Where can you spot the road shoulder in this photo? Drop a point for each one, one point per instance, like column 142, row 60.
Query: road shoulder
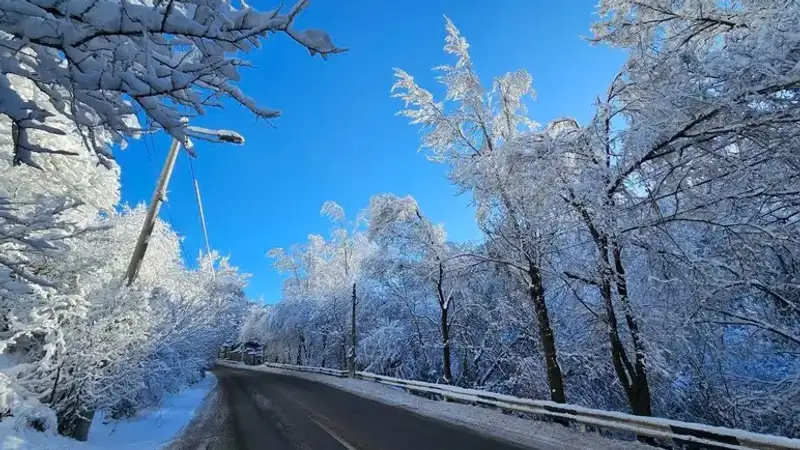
column 206, row 430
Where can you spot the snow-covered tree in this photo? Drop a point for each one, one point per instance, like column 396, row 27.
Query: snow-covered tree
column 255, row 325
column 413, row 252
column 709, row 158
column 88, row 343
column 467, row 136
column 327, row 273
column 73, row 338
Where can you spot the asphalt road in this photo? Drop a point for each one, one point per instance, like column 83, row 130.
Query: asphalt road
column 256, row 410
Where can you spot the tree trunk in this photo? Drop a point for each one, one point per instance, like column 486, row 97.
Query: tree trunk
column 465, row 377
column 536, row 292
column 82, row 424
column 446, row 365
column 640, row 387
column 55, row 383
column 632, row 377
column 352, row 357
column 444, row 307
column 343, row 349
column 554, row 376
column 300, row 343
column 619, row 356
column 75, row 419
column 324, row 348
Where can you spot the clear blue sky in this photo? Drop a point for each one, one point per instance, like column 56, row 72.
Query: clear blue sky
column 339, row 138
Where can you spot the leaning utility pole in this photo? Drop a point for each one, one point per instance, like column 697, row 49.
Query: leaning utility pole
column 159, row 195
column 152, row 212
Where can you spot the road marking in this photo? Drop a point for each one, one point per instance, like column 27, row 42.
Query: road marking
column 344, row 443
column 311, row 415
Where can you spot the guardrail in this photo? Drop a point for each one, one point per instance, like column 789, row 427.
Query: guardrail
column 682, row 434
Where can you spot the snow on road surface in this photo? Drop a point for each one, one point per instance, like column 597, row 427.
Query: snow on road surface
column 487, row 421
column 149, row 430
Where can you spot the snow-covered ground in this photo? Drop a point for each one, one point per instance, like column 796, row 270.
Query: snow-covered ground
column 487, row 421
column 150, row 430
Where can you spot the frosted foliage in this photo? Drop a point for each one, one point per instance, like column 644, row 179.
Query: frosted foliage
column 255, row 325
column 333, row 211
column 385, row 210
column 479, row 120
column 392, row 217
column 645, row 260
column 102, row 64
column 26, row 408
column 73, row 172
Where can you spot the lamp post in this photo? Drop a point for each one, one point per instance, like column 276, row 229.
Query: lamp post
column 159, row 195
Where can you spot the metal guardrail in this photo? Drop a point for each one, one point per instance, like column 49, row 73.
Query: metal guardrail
column 682, row 434
column 322, row 370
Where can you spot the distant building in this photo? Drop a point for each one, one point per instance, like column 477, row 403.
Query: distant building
column 250, row 353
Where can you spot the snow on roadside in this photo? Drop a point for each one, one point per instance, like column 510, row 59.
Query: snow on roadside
column 155, row 428
column 149, row 430
column 487, row 421
column 28, row 439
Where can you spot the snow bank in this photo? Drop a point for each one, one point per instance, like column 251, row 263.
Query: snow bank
column 150, row 430
column 24, row 405
column 12, row 438
column 154, row 428
column 487, row 421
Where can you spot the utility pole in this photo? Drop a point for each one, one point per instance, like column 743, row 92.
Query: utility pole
column 159, row 195
column 152, row 212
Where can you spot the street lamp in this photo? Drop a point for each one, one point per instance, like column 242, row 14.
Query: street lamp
column 214, row 136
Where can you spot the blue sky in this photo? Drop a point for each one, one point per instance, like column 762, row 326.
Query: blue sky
column 339, row 138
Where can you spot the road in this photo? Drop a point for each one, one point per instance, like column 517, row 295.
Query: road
column 264, row 411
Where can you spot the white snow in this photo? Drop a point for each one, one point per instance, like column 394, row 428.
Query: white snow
column 487, row 421
column 27, row 439
column 151, row 429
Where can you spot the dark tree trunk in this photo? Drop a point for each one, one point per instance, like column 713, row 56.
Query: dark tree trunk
column 352, row 357
column 640, row 387
column 300, row 343
column 55, row 384
column 343, row 349
column 83, row 422
column 446, row 369
column 444, row 306
column 632, row 377
column 324, row 348
column 75, row 418
column 554, row 377
column 465, row 377
column 536, row 292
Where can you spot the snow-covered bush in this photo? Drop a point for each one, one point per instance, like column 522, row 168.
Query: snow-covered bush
column 23, row 407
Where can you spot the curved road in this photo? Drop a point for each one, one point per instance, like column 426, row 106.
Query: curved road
column 256, row 410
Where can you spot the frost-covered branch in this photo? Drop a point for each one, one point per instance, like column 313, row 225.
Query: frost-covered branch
column 103, row 64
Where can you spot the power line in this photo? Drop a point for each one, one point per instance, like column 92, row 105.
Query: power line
column 199, row 205
column 200, row 209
